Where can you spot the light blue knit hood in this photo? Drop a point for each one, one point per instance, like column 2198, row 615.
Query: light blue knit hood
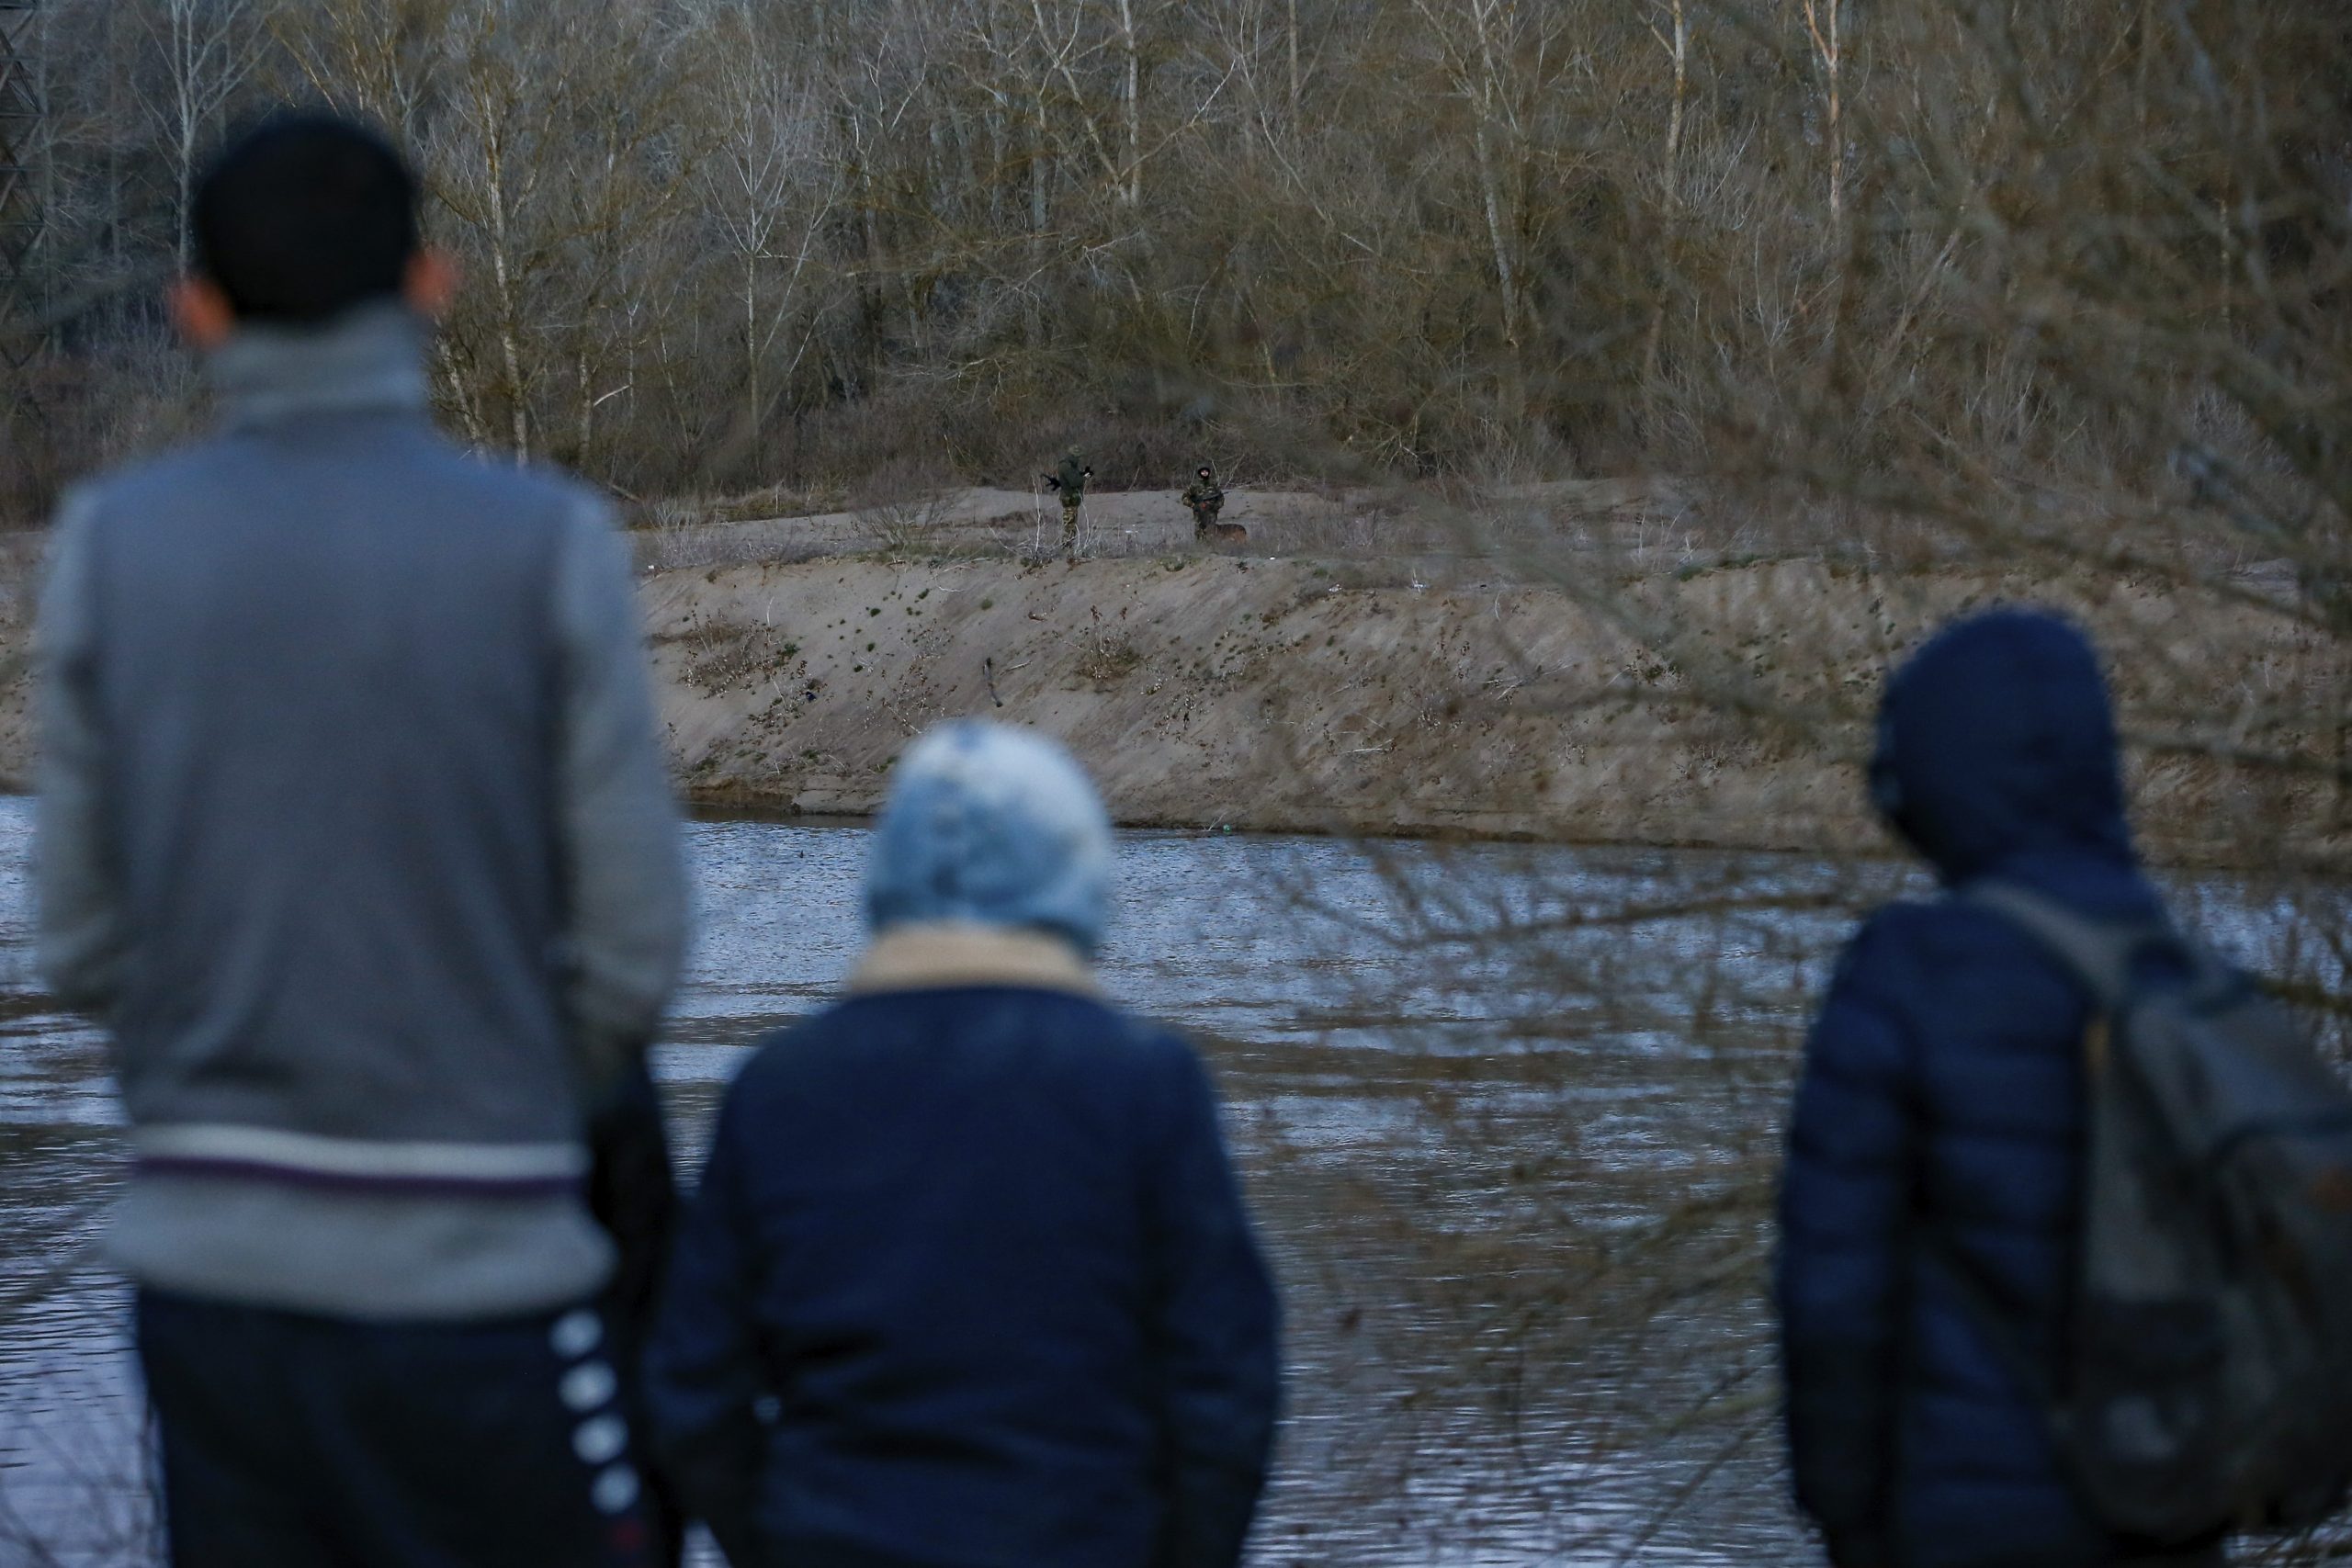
column 989, row 825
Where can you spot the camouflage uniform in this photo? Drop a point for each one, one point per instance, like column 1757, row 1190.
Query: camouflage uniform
column 1070, row 480
column 1207, row 500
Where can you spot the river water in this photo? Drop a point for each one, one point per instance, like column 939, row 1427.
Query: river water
column 1506, row 1115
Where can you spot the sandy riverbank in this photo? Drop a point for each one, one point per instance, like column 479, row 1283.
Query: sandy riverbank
column 1293, row 694
column 1353, row 689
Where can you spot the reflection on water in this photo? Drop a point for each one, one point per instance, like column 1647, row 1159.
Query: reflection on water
column 1506, row 1115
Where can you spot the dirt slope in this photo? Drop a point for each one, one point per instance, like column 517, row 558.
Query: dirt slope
column 1327, row 694
column 1201, row 689
column 1276, row 694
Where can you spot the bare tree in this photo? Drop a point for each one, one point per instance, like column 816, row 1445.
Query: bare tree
column 1824, row 23
column 1497, row 56
column 772, row 191
column 208, row 49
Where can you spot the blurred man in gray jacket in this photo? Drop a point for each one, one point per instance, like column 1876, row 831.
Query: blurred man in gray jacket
column 355, row 832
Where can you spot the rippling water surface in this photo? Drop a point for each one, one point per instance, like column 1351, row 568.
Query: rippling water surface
column 1504, row 1152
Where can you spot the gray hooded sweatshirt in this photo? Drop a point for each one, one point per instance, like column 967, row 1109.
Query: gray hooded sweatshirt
column 355, row 830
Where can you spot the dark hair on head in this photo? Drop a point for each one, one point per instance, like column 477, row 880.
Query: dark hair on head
column 303, row 215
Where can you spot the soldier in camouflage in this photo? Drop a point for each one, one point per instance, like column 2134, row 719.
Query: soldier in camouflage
column 1069, row 482
column 1207, row 500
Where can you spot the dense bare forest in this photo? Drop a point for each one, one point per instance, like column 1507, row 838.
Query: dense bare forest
column 725, row 243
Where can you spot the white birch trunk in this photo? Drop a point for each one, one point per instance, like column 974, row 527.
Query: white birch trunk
column 1291, row 41
column 1133, row 186
column 501, row 273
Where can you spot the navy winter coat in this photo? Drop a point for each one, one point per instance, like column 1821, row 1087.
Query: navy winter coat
column 967, row 1281
column 1941, row 1107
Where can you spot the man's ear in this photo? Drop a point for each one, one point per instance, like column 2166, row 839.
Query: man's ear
column 431, row 284
column 201, row 311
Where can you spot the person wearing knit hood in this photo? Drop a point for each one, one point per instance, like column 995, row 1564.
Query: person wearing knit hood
column 968, row 1278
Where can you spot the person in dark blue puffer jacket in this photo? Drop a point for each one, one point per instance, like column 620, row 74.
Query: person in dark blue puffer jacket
column 968, row 1282
column 1941, row 1119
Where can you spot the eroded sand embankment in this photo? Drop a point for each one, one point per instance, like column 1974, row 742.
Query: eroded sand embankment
column 1289, row 695
column 1345, row 695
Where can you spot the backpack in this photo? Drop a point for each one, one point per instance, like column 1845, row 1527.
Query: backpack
column 2209, row 1375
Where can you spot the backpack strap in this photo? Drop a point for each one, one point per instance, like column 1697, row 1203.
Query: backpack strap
column 2097, row 953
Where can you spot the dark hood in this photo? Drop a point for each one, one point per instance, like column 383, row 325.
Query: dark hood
column 1995, row 742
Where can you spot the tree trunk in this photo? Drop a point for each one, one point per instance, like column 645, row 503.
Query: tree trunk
column 510, row 344
column 454, row 389
column 1836, row 119
column 1292, row 42
column 184, row 127
column 585, row 434
column 754, row 415
column 1491, row 198
column 1040, row 172
column 1681, row 94
column 1491, row 88
column 1133, row 191
column 1827, row 44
